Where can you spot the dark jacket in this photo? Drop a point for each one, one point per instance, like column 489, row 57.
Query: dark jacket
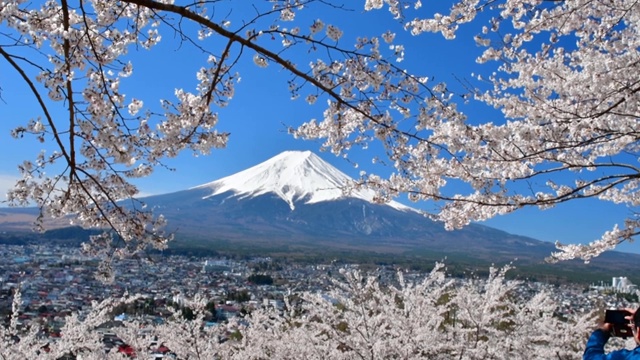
column 595, row 349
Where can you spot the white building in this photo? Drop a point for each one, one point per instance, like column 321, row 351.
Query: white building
column 622, row 284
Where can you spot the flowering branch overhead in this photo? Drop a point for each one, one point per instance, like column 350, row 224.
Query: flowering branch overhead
column 566, row 83
column 567, row 86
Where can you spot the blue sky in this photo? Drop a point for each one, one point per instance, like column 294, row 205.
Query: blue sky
column 261, row 109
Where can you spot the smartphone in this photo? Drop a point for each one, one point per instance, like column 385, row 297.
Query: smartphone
column 620, row 327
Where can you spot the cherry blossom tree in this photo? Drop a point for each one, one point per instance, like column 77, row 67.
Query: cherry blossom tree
column 564, row 76
column 436, row 318
column 359, row 317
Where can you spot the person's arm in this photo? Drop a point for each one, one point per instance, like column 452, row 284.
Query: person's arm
column 598, row 339
column 595, row 345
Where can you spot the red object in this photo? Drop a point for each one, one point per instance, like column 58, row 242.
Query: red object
column 127, row 350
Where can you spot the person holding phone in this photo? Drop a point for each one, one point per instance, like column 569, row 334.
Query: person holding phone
column 616, row 323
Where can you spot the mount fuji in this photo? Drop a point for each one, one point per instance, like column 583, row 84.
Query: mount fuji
column 293, row 176
column 295, row 201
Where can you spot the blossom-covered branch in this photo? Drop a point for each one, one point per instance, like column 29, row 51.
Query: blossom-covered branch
column 565, row 79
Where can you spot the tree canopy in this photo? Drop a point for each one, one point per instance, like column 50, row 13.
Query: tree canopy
column 566, row 83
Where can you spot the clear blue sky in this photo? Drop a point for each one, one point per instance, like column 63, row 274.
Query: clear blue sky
column 257, row 115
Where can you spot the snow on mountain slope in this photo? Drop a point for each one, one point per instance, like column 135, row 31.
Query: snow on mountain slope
column 293, row 176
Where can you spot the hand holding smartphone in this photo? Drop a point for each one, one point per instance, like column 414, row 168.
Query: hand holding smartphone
column 620, row 324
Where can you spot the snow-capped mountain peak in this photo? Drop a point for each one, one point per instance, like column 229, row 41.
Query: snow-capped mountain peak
column 293, row 176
